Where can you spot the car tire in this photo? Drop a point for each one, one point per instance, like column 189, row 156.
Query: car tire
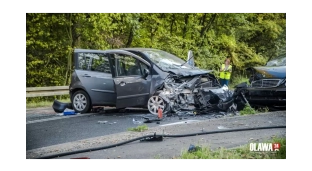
column 150, row 106
column 81, row 102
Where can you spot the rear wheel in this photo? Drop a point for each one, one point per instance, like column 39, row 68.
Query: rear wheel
column 81, row 102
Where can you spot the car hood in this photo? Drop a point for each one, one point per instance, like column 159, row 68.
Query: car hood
column 188, row 72
column 271, row 72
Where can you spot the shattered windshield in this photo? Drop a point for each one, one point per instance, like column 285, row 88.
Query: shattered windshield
column 277, row 62
column 165, row 60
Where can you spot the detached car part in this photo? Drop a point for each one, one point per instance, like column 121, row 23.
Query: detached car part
column 59, row 107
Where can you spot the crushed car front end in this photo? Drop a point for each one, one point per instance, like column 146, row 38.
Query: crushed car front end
column 191, row 90
column 267, row 88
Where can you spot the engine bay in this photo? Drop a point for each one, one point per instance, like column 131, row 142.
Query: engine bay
column 200, row 94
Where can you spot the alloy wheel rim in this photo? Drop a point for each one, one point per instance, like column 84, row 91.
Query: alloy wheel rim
column 80, row 102
column 154, row 103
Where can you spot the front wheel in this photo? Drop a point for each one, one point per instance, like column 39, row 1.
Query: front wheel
column 155, row 102
column 81, row 102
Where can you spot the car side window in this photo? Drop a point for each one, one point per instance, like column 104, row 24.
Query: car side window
column 143, row 66
column 126, row 65
column 100, row 63
column 84, row 61
column 94, row 62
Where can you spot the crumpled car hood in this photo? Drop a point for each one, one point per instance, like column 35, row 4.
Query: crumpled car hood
column 271, row 72
column 188, row 72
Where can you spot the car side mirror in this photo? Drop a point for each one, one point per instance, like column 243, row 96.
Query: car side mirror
column 145, row 73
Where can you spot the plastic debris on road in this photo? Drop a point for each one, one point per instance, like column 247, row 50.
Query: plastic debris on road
column 69, row 112
column 137, row 122
column 193, row 148
column 222, row 127
column 102, row 122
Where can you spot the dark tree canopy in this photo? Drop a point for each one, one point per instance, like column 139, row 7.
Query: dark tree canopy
column 248, row 39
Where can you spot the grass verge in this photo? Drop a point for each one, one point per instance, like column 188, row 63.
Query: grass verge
column 248, row 110
column 46, row 103
column 139, row 128
column 237, row 153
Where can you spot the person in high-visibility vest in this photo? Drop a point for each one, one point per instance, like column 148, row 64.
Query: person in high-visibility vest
column 225, row 72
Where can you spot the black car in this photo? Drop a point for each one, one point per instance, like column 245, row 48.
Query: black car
column 142, row 77
column 267, row 86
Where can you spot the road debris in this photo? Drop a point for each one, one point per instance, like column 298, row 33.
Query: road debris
column 151, row 119
column 69, row 112
column 222, row 127
column 137, row 122
column 102, row 122
column 193, row 148
column 153, row 138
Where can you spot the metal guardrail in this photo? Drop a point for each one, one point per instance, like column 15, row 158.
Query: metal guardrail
column 46, row 91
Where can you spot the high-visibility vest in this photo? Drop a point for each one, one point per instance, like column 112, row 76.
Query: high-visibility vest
column 224, row 74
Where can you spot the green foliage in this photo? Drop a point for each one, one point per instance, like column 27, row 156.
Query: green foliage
column 44, row 103
column 32, row 101
column 249, row 39
column 237, row 153
column 235, row 80
column 139, row 128
column 263, row 110
column 248, row 110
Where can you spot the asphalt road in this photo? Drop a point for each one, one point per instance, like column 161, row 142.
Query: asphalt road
column 172, row 147
column 48, row 129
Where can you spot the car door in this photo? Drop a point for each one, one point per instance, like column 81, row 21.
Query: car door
column 131, row 87
column 95, row 75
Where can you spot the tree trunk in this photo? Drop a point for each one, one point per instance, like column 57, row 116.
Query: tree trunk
column 186, row 17
column 69, row 57
column 130, row 38
column 206, row 28
column 172, row 23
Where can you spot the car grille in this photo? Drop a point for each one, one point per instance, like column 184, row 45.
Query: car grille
column 266, row 83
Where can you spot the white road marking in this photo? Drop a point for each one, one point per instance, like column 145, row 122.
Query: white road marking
column 182, row 122
column 57, row 118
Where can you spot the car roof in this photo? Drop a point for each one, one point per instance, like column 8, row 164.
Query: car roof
column 139, row 49
column 88, row 50
column 127, row 49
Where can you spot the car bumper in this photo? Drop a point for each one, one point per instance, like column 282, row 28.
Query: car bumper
column 273, row 96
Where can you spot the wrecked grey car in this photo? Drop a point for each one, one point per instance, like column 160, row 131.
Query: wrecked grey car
column 267, row 86
column 141, row 77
